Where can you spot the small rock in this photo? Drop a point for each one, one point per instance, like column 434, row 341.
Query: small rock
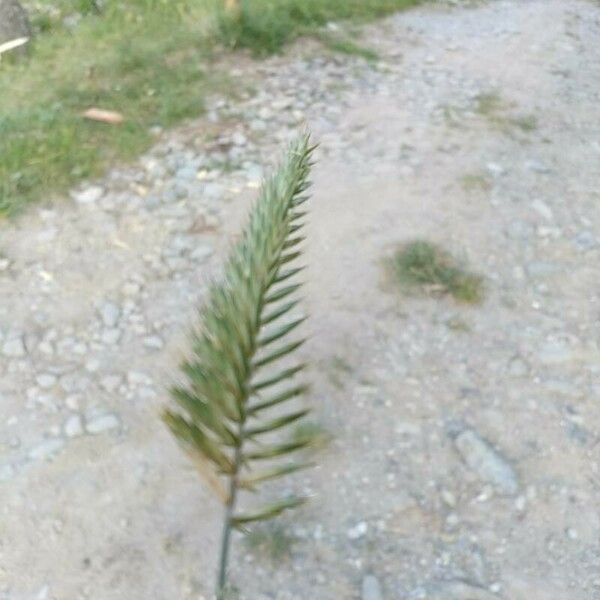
column 358, row 531
column 239, row 139
column 543, row 209
column 495, row 169
column 555, row 353
column 537, row 167
column 131, row 288
column 572, row 533
column 89, row 195
column 154, row 342
column 46, row 347
column 46, row 449
column 519, row 230
column 73, row 426
column 14, row 346
column 448, row 498
column 517, row 367
column 4, row 263
column 110, row 383
column 72, row 401
column 585, row 240
column 92, row 365
column 102, row 423
column 486, row 462
column 73, row 382
column 371, row 589
column 137, row 378
column 458, row 590
column 6, row 472
column 201, row 253
column 46, row 380
column 540, row 268
column 43, row 593
column 111, row 336
column 110, row 313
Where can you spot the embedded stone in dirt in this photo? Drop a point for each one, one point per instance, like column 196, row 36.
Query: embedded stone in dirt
column 488, row 464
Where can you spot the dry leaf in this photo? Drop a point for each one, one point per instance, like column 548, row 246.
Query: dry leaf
column 105, row 116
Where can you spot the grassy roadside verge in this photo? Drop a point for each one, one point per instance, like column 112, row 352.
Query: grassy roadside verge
column 149, row 60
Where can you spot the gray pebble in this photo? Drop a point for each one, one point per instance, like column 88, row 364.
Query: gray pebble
column 154, row 342
column 555, row 353
column 371, row 589
column 73, row 426
column 110, row 313
column 201, row 253
column 110, row 383
column 539, row 268
column 46, row 380
column 46, row 449
column 88, row 195
column 111, row 336
column 517, row 367
column 102, row 423
column 14, row 346
column 6, row 472
column 486, row 462
column 458, row 590
column 358, row 531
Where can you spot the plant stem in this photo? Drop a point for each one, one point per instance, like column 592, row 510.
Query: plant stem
column 226, row 536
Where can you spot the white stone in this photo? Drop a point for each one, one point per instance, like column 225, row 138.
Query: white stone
column 6, row 472
column 153, row 342
column 358, row 531
column 201, row 253
column 110, row 383
column 73, row 426
column 102, row 423
column 46, row 380
column 46, row 449
column 92, row 365
column 110, row 313
column 371, row 589
column 137, row 378
column 111, row 336
column 88, row 195
column 14, row 346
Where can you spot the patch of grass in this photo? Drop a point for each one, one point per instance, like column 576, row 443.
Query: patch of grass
column 146, row 64
column 318, row 435
column 264, row 26
column 475, row 182
column 489, row 104
column 146, row 59
column 423, row 266
column 338, row 371
column 525, row 123
column 451, row 116
column 271, row 541
column 458, row 324
column 492, row 107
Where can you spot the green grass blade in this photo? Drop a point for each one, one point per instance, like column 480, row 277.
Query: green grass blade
column 269, row 511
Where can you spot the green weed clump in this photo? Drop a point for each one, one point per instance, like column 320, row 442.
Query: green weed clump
column 423, row 266
column 264, row 26
column 271, row 541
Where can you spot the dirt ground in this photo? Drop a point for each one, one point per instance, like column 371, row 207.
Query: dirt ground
column 465, row 461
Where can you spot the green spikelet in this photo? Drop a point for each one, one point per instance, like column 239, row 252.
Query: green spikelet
column 241, row 367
